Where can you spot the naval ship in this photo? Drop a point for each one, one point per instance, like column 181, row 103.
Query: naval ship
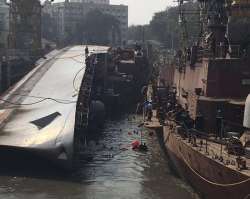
column 56, row 110
column 121, row 73
column 50, row 111
column 207, row 106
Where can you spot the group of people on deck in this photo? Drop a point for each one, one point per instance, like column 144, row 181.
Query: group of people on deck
column 168, row 108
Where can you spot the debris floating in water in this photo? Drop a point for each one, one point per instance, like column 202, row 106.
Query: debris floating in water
column 143, row 147
column 151, row 133
column 135, row 144
column 123, row 149
column 140, row 125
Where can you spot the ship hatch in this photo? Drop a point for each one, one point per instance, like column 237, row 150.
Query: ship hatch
column 45, row 121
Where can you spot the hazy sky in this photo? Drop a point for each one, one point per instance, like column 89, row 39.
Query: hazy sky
column 141, row 11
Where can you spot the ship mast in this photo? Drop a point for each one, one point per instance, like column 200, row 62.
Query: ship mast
column 213, row 21
column 214, row 15
column 213, row 40
column 183, row 24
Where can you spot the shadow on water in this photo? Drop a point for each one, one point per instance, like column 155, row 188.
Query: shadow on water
column 22, row 163
column 113, row 171
column 16, row 162
column 160, row 138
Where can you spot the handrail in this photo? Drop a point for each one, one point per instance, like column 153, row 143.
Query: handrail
column 199, row 175
column 233, row 123
column 211, row 182
column 197, row 132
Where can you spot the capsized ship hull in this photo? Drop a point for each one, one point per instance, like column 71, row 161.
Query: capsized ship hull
column 38, row 114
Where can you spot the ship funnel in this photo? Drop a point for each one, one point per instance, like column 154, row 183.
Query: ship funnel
column 246, row 121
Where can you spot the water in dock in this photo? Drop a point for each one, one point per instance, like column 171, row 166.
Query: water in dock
column 113, row 171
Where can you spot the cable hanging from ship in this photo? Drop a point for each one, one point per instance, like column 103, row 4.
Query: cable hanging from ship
column 74, row 80
column 42, row 99
column 37, row 102
column 214, row 183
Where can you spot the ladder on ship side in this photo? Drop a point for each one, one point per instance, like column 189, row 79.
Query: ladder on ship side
column 82, row 111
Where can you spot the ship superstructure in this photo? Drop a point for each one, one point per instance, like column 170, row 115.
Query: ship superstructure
column 212, row 72
column 205, row 104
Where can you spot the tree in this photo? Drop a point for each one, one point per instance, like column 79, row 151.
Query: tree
column 165, row 28
column 99, row 28
column 165, row 25
column 48, row 27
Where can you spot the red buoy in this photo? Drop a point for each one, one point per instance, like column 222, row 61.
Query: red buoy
column 135, row 144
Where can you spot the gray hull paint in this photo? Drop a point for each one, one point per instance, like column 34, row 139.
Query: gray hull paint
column 54, row 137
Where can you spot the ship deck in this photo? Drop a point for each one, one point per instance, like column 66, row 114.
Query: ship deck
column 210, row 148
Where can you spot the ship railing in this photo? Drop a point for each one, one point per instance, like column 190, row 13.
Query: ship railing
column 189, row 132
column 215, row 151
column 235, row 51
column 220, row 51
column 193, row 132
column 229, row 126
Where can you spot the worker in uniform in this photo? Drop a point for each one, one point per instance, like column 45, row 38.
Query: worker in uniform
column 149, row 110
column 199, row 122
column 161, row 115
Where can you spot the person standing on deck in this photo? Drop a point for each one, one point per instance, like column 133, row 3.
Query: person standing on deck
column 149, row 111
column 219, row 120
column 86, row 51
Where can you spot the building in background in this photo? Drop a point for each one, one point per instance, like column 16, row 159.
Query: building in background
column 69, row 14
column 92, row 1
column 25, row 28
column 120, row 12
column 20, row 39
column 48, row 27
column 4, row 24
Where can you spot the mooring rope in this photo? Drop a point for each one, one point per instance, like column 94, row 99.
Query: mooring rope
column 210, row 182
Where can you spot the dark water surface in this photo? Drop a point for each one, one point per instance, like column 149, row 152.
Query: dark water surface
column 114, row 171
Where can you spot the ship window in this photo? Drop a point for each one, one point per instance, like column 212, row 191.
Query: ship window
column 45, row 121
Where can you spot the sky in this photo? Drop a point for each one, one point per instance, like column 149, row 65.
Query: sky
column 141, row 11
